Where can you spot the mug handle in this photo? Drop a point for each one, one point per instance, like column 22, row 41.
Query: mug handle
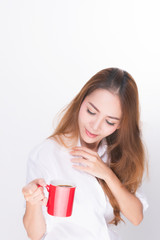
column 48, row 188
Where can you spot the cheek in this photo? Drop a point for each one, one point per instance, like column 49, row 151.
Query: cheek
column 82, row 116
column 110, row 130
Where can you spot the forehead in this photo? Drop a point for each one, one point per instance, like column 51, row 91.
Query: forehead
column 107, row 103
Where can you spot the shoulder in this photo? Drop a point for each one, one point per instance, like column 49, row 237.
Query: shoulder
column 41, row 159
column 45, row 149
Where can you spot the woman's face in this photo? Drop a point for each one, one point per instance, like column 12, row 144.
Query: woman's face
column 99, row 116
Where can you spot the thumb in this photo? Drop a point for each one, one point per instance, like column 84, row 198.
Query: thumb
column 40, row 181
column 44, row 202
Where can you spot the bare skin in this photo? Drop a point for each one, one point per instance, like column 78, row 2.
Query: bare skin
column 130, row 205
column 33, row 219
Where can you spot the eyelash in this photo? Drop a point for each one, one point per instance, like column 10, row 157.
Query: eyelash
column 112, row 124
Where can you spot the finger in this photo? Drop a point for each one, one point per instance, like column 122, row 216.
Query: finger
column 81, row 153
column 37, row 192
column 32, row 186
column 44, row 201
column 35, row 199
column 40, row 181
column 29, row 189
column 39, row 197
column 85, row 169
column 81, row 168
column 81, row 160
column 85, row 155
column 86, row 150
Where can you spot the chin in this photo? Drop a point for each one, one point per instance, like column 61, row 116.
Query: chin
column 87, row 139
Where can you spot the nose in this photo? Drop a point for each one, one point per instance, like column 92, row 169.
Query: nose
column 96, row 124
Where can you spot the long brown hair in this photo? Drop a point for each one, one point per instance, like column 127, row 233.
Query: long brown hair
column 125, row 148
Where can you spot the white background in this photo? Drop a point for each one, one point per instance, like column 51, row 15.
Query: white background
column 48, row 50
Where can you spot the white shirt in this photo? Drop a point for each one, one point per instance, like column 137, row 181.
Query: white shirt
column 91, row 210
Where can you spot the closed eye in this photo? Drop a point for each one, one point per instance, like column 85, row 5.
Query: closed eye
column 112, row 124
column 90, row 112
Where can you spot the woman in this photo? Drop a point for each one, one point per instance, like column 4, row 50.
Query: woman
column 97, row 144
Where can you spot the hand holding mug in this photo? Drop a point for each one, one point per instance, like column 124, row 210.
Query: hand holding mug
column 33, row 193
column 60, row 200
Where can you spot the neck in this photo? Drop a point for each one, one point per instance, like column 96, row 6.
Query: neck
column 92, row 146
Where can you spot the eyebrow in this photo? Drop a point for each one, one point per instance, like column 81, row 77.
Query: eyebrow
column 99, row 111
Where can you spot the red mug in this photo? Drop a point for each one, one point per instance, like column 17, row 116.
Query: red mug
column 60, row 199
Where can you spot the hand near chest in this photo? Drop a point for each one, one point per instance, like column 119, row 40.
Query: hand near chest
column 89, row 161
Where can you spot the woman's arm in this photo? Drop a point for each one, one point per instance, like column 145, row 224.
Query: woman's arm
column 130, row 206
column 34, row 222
column 33, row 219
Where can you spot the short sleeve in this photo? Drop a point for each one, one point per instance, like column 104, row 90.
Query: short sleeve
column 141, row 196
column 37, row 167
column 34, row 168
column 38, row 162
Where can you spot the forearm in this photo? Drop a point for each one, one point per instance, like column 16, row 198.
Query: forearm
column 130, row 206
column 34, row 221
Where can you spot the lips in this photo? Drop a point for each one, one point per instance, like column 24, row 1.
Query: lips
column 90, row 134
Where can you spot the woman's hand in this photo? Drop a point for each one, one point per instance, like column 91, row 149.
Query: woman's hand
column 33, row 193
column 33, row 219
column 91, row 162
